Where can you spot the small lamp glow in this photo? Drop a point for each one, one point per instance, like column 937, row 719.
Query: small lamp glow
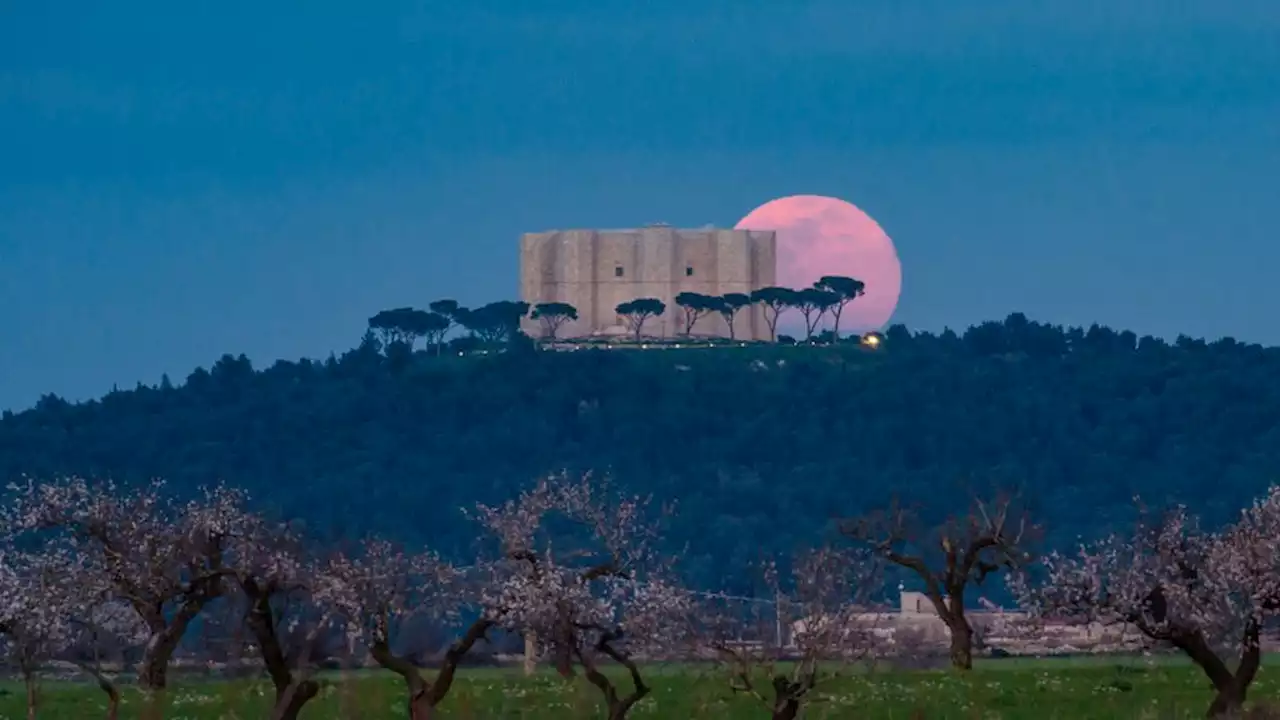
column 871, row 340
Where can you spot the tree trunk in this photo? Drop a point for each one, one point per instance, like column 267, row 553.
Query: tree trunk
column 154, row 671
column 618, row 707
column 420, row 705
column 563, row 663
column 835, row 329
column 786, row 704
column 289, row 700
column 1232, row 688
column 106, row 684
column 530, row 653
column 291, row 692
column 1228, row 703
column 961, row 644
column 811, row 325
column 29, row 679
column 113, row 695
column 153, row 674
column 113, row 704
column 425, row 696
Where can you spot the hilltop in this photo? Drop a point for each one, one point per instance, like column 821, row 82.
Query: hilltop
column 761, row 446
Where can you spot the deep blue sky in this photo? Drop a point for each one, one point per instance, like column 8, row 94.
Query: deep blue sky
column 184, row 179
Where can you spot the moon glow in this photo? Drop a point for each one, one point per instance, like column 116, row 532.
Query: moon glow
column 820, row 235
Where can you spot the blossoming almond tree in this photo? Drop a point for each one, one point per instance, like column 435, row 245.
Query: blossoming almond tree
column 31, row 622
column 991, row 537
column 291, row 600
column 163, row 557
column 52, row 610
column 1207, row 594
column 104, row 630
column 100, row 628
column 378, row 589
column 579, row 569
column 824, row 599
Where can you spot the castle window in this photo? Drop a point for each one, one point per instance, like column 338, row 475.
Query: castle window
column 617, row 272
column 688, row 272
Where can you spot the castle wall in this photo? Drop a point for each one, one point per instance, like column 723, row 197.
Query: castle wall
column 596, row 270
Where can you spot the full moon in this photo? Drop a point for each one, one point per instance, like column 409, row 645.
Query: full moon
column 819, row 236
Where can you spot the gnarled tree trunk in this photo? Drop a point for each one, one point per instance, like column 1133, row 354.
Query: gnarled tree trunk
column 153, row 672
column 292, row 693
column 950, row 610
column 961, row 643
column 618, row 706
column 1232, row 688
column 291, row 698
column 425, row 696
column 107, row 686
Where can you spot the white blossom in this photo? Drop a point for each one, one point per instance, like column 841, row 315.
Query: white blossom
column 1207, row 594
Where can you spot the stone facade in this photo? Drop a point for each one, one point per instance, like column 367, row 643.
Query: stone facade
column 596, row 270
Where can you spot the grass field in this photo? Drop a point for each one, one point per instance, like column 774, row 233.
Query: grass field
column 1007, row 689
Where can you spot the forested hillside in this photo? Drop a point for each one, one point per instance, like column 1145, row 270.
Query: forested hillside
column 761, row 446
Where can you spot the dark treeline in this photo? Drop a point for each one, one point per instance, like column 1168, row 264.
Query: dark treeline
column 762, row 446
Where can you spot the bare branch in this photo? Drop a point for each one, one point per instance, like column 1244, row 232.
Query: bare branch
column 970, row 549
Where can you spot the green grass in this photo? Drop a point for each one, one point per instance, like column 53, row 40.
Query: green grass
column 1010, row 690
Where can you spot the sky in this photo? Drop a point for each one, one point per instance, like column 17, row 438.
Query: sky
column 183, row 180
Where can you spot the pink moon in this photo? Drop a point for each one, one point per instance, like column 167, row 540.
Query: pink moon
column 820, row 235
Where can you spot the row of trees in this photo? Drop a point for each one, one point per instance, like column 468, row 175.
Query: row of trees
column 828, row 296
column 1168, row 583
column 92, row 572
column 500, row 321
column 117, row 573
column 492, row 323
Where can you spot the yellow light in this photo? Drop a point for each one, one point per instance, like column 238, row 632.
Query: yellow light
column 871, row 340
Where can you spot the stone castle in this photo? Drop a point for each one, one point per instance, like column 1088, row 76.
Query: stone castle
column 596, row 270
